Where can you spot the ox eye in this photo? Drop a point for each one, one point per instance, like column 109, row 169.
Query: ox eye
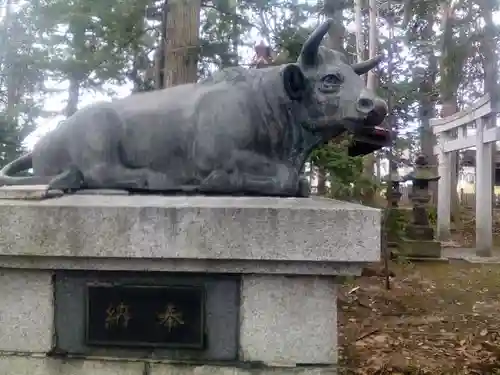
column 332, row 80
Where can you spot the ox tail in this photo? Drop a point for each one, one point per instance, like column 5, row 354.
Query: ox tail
column 22, row 163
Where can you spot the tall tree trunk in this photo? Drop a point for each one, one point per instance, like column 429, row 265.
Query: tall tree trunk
column 142, row 73
column 235, row 35
column 9, row 144
column 427, row 102
column 183, row 22
column 488, row 48
column 75, row 75
column 73, row 96
column 371, row 83
column 160, row 55
column 360, row 38
column 13, row 81
column 333, row 9
column 451, row 64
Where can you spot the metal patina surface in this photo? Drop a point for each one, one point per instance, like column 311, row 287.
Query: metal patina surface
column 241, row 131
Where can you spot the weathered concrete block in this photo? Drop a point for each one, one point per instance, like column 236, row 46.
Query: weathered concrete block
column 26, row 311
column 182, row 265
column 220, row 228
column 17, row 365
column 288, row 320
column 169, row 369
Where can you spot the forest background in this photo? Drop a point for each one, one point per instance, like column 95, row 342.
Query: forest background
column 59, row 55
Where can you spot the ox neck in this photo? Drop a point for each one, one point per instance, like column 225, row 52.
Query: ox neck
column 298, row 138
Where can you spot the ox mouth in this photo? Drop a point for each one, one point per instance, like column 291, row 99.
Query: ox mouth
column 356, row 125
column 370, row 140
column 350, row 124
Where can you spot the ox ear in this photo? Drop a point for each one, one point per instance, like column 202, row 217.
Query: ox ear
column 294, row 81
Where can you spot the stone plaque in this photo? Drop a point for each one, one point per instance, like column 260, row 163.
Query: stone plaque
column 145, row 316
column 221, row 309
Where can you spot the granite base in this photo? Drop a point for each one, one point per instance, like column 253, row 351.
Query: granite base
column 29, row 365
column 283, row 256
column 285, row 320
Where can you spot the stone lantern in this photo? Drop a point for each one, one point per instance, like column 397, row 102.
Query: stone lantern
column 419, row 233
column 393, row 217
column 393, row 195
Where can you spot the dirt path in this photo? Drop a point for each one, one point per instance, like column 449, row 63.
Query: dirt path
column 437, row 319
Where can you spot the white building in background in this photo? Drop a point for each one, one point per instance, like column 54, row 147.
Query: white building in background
column 467, row 174
column 467, row 180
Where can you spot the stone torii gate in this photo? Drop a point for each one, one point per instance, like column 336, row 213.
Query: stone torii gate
column 451, row 133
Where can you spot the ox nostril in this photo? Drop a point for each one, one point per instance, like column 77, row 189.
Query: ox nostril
column 378, row 114
column 365, row 105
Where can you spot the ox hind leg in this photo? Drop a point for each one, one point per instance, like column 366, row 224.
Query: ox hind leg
column 97, row 149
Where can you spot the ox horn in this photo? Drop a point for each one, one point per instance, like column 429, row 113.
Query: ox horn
column 309, row 52
column 365, row 66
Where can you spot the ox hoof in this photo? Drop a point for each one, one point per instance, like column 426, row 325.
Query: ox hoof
column 304, row 189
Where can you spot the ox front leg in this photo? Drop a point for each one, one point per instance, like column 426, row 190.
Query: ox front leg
column 247, row 173
column 221, row 182
column 284, row 183
column 270, row 177
column 271, row 185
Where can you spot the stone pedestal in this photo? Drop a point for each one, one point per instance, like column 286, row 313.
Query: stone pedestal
column 269, row 269
column 421, row 248
column 420, row 243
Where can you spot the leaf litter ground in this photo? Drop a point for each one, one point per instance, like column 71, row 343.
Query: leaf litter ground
column 438, row 318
